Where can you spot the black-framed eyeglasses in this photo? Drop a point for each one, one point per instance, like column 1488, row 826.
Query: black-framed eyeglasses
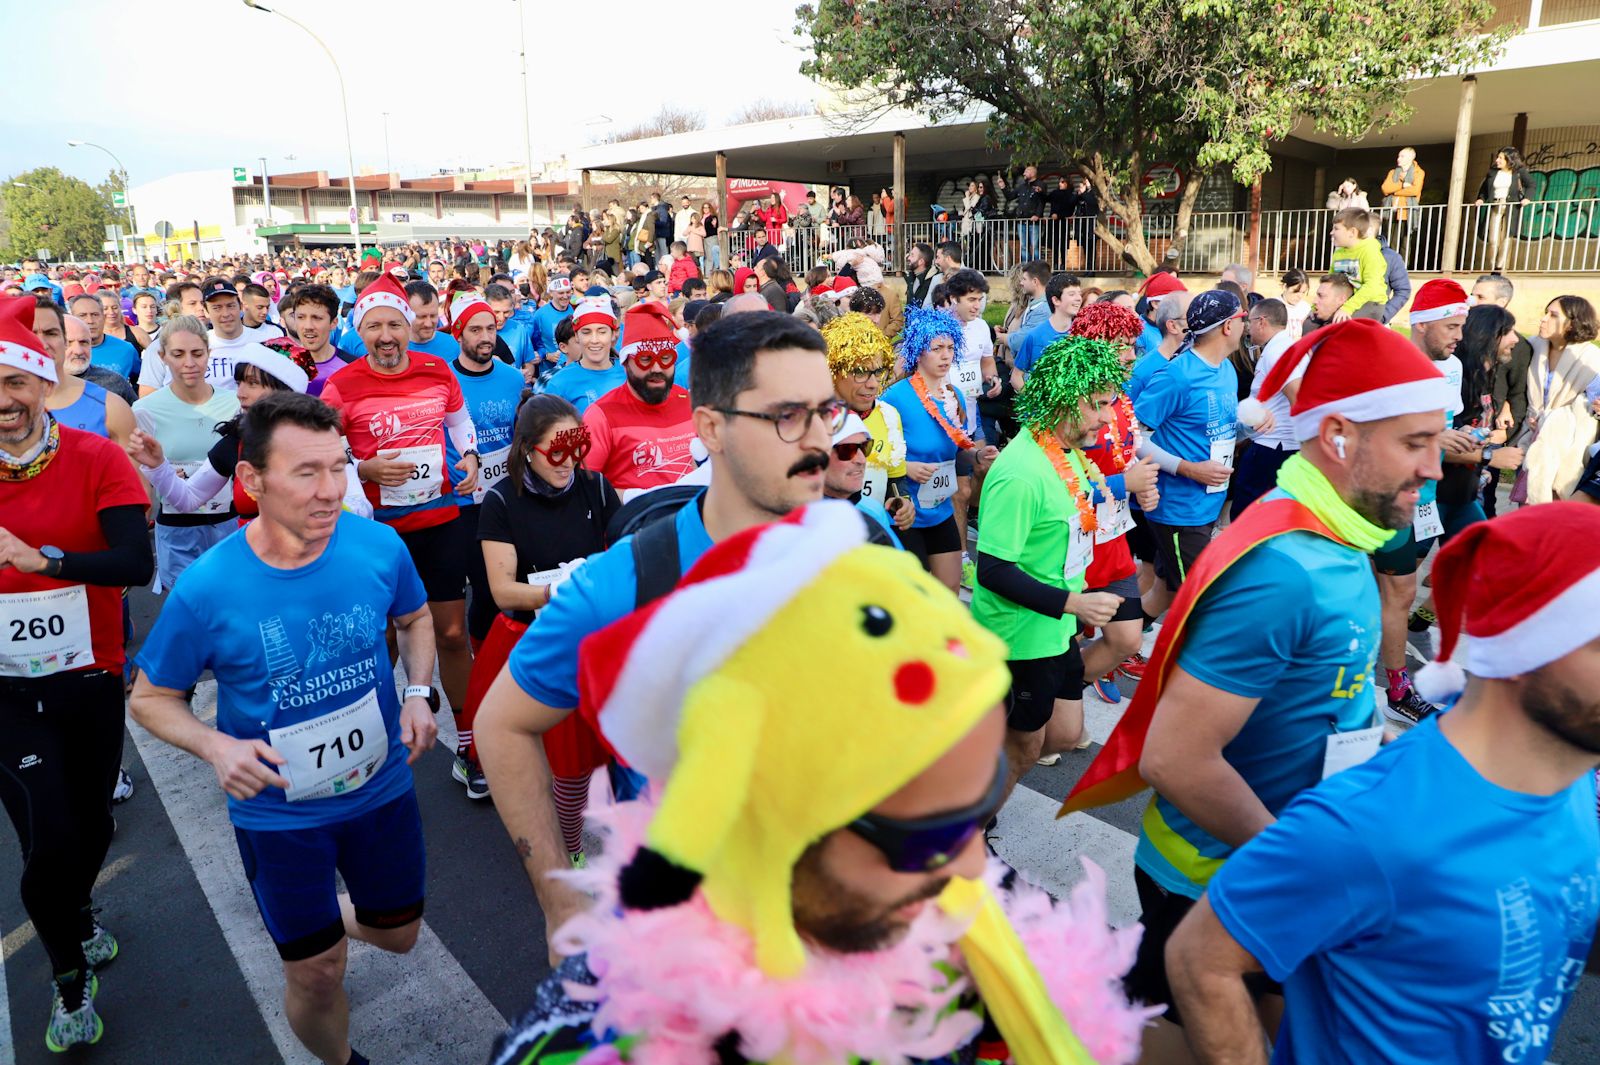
column 924, row 844
column 861, row 377
column 793, row 420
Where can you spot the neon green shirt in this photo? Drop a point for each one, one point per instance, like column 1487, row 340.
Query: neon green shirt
column 1364, row 265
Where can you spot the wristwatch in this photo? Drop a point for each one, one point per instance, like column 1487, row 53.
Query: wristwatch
column 417, row 691
column 52, row 560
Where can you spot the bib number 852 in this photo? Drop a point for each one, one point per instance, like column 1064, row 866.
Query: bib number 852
column 37, row 628
column 341, row 746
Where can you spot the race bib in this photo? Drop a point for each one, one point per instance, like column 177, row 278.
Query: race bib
column 1113, row 519
column 876, row 484
column 968, row 377
column 491, row 471
column 1346, row 749
column 936, row 489
column 1221, row 451
column 333, row 754
column 1428, row 524
column 220, row 503
column 1080, row 550
column 44, row 632
column 427, row 477
column 554, row 578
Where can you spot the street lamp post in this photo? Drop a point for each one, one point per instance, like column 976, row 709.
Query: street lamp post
column 349, row 149
column 527, row 135
column 127, row 192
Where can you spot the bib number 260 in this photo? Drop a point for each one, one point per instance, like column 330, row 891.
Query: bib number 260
column 23, row 629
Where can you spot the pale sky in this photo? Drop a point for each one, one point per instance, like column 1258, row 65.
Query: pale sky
column 186, row 84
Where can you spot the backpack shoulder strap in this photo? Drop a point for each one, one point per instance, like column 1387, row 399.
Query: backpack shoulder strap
column 656, row 564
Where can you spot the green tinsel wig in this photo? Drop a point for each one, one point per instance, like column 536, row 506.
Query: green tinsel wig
column 1070, row 369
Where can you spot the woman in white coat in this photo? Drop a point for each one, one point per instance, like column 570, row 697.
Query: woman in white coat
column 1560, row 425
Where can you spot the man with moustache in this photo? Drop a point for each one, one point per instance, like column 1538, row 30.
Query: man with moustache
column 765, row 410
column 642, row 428
column 1260, row 684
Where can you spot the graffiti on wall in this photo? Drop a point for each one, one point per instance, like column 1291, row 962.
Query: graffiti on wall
column 1552, row 212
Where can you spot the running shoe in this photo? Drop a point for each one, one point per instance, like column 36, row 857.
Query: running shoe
column 124, row 789
column 1050, row 759
column 1084, row 743
column 579, row 860
column 1106, row 688
column 70, row 1028
column 969, row 573
column 1422, row 619
column 1409, row 709
column 100, row 949
column 466, row 771
column 1133, row 666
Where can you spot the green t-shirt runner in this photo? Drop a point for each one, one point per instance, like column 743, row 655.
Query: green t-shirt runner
column 1029, row 518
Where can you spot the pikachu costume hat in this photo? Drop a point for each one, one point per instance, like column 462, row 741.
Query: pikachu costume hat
column 796, row 678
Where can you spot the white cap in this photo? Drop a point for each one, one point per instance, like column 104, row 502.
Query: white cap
column 853, row 426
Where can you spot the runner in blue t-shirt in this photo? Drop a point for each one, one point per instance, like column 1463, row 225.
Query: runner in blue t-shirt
column 545, row 318
column 493, row 391
column 1437, row 903
column 756, row 474
column 588, row 335
column 1064, row 296
column 312, row 742
column 1191, row 409
column 1270, row 686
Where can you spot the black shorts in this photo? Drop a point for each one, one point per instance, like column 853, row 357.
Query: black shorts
column 966, row 461
column 930, row 540
column 441, row 554
column 1177, row 546
column 1036, row 684
column 1164, row 910
column 1131, row 608
column 1140, row 542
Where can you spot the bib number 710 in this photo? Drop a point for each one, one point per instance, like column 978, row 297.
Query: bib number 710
column 342, row 746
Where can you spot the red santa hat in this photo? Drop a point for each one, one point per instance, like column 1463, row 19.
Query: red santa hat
column 729, row 595
column 466, row 304
column 1360, row 369
column 650, row 330
column 1513, row 595
column 1439, row 298
column 19, row 347
column 593, row 310
column 385, row 291
column 1157, row 285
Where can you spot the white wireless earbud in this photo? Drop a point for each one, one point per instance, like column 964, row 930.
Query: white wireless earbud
column 1338, row 445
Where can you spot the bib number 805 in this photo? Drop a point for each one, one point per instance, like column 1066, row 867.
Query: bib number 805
column 341, row 746
column 37, row 628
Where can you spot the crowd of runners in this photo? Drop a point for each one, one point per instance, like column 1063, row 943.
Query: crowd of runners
column 808, row 572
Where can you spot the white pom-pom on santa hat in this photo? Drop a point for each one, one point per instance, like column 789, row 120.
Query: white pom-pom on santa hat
column 1252, row 412
column 1512, row 597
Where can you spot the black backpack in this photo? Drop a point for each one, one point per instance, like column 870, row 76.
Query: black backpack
column 649, row 519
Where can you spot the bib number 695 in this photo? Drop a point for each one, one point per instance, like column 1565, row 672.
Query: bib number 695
column 341, row 746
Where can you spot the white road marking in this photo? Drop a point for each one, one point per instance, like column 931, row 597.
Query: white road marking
column 421, row 1007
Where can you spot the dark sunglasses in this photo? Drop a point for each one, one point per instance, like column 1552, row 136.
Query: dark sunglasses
column 925, row 844
column 847, row 451
column 649, row 360
column 568, row 443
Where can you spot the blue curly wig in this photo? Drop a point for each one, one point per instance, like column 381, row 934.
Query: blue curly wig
column 920, row 329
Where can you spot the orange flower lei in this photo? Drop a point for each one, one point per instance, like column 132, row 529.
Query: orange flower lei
column 935, row 411
column 1121, row 415
column 1058, row 458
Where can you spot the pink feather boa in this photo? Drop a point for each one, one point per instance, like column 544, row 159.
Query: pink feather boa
column 684, row 979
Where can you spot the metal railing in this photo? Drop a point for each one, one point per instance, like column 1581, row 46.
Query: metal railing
column 1546, row 236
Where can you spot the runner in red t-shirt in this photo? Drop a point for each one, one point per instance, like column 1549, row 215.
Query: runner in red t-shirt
column 398, row 406
column 1115, row 453
column 72, row 536
column 642, row 429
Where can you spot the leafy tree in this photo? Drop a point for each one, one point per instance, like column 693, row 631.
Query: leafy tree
column 1112, row 86
column 45, row 208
